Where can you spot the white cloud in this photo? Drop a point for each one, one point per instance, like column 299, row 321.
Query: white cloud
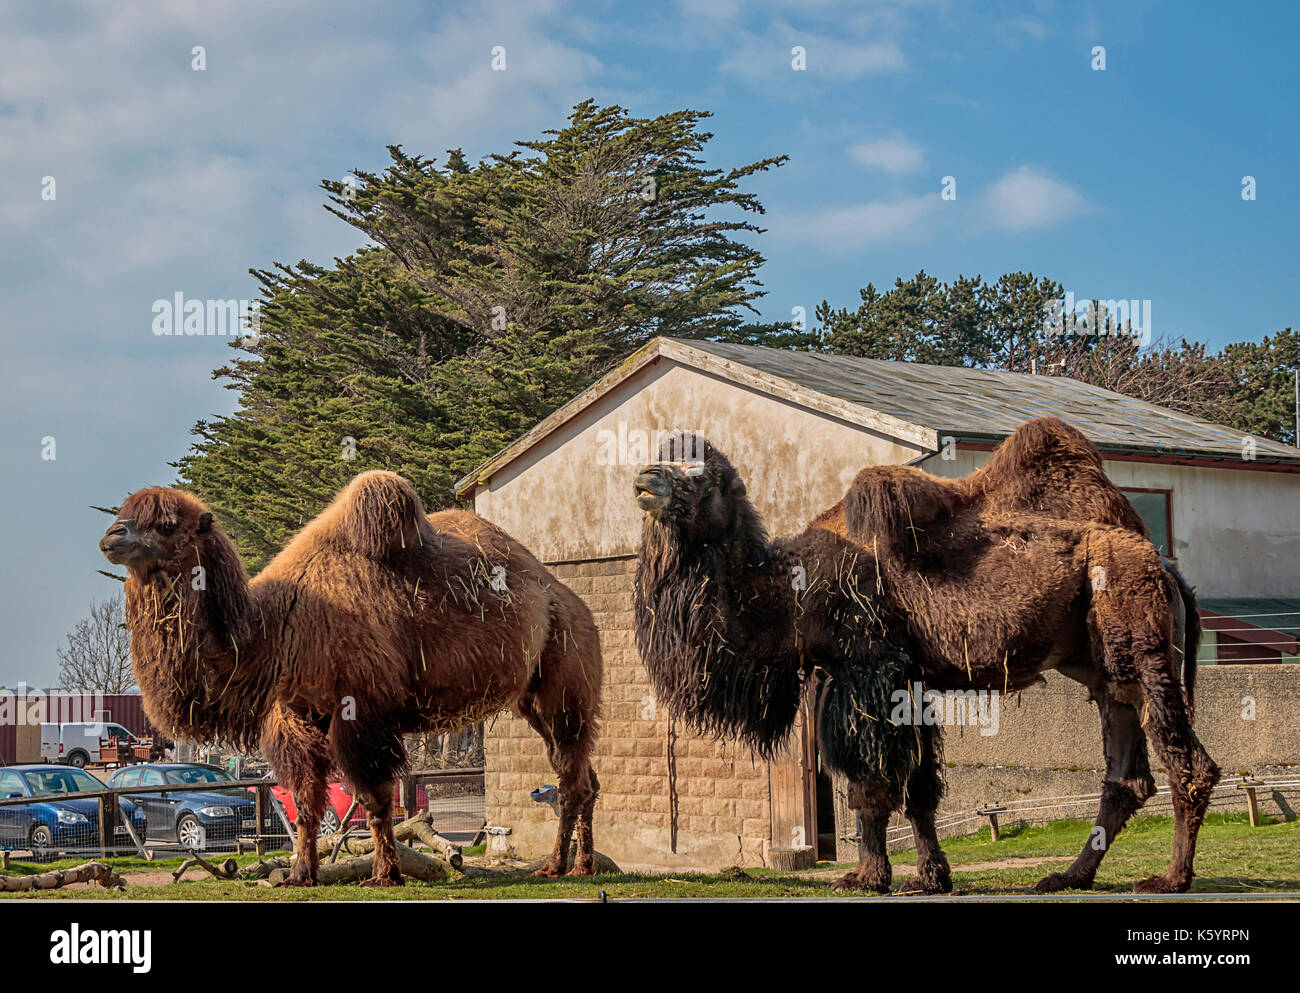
column 174, row 180
column 767, row 56
column 1026, row 198
column 890, row 154
column 859, row 225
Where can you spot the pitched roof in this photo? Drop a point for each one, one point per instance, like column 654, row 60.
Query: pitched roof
column 923, row 403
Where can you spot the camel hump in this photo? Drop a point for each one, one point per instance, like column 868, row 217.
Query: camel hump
column 379, row 512
column 888, row 504
column 1047, row 466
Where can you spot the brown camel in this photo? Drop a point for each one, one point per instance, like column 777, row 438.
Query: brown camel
column 373, row 622
column 1034, row 562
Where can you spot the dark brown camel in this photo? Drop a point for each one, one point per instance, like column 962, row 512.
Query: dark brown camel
column 375, row 621
column 1034, row 562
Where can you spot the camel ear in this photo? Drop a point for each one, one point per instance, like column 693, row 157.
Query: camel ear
column 205, row 522
column 738, row 487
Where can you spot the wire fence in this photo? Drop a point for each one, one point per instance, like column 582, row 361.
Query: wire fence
column 1272, row 631
column 47, row 813
column 1284, row 790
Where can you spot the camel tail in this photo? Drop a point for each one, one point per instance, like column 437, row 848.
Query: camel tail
column 1191, row 637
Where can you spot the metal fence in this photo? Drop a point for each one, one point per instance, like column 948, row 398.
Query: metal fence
column 235, row 816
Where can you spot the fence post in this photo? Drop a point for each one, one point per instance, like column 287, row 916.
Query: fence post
column 408, row 796
column 107, row 822
column 260, row 806
column 1252, row 801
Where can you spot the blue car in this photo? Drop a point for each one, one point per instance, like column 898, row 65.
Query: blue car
column 50, row 825
column 197, row 820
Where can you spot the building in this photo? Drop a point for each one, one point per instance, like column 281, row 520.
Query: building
column 799, row 427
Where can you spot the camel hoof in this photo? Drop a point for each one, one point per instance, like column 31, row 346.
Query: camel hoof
column 548, row 871
column 1161, row 884
column 384, row 881
column 853, row 882
column 1058, row 881
column 935, row 883
column 296, row 882
column 582, row 870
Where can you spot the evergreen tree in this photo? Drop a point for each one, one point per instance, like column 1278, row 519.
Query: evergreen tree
column 494, row 293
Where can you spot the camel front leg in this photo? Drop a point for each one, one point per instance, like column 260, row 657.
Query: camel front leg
column 310, row 801
column 924, row 791
column 872, row 803
column 297, row 751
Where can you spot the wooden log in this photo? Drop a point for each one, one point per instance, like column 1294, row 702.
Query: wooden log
column 420, row 827
column 90, row 872
column 229, row 869
column 416, row 865
column 342, row 832
column 417, row 828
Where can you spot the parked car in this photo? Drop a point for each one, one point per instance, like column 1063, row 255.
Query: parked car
column 199, row 819
column 52, row 825
column 340, row 799
column 79, row 744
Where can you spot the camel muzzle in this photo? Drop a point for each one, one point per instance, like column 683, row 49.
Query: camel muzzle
column 118, row 543
column 652, row 489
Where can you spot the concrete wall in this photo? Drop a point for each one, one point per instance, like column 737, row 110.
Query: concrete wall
column 566, row 502
column 1236, row 531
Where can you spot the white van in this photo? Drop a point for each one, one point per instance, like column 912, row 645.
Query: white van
column 78, row 744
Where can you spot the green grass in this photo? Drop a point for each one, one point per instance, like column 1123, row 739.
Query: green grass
column 1231, row 857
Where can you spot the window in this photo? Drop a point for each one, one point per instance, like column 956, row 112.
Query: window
column 196, row 774
column 151, row 777
column 129, row 778
column 1155, row 507
column 11, row 783
column 47, row 782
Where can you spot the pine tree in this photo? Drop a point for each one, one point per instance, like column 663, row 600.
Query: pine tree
column 495, row 293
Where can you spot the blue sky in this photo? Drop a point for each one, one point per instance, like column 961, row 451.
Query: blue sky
column 1119, row 183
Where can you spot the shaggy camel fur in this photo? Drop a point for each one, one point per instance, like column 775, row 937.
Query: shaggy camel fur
column 373, row 622
column 979, row 583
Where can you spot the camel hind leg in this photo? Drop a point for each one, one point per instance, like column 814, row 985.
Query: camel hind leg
column 1132, row 619
column 1192, row 776
column 371, row 756
column 562, row 705
column 568, row 738
column 1128, row 785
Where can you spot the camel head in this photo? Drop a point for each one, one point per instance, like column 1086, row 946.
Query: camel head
column 155, row 529
column 694, row 493
column 163, row 533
